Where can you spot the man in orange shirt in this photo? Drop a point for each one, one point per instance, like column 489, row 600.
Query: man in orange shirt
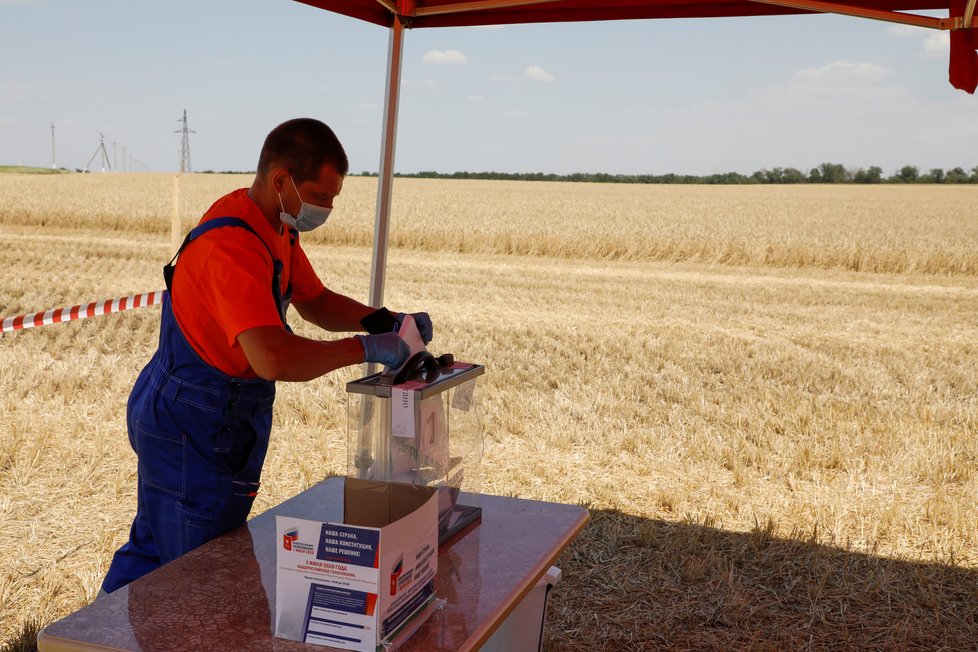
column 199, row 415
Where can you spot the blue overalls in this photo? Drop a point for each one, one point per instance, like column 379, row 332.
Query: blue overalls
column 200, row 437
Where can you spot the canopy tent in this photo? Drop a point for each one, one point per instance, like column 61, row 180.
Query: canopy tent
column 455, row 13
column 398, row 15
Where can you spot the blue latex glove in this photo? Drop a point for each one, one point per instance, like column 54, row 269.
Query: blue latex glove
column 387, row 348
column 423, row 322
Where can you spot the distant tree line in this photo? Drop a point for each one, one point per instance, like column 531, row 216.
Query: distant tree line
column 824, row 173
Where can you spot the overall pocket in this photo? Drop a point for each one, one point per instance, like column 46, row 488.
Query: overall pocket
column 197, row 527
column 162, row 458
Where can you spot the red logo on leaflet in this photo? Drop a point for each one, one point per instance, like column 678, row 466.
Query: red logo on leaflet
column 289, row 537
column 395, row 574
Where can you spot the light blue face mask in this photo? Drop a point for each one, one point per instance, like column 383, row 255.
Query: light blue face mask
column 310, row 216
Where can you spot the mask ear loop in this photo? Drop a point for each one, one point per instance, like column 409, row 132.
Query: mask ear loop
column 292, row 179
column 281, row 204
column 278, row 193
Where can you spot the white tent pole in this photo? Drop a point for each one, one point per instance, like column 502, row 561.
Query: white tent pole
column 385, row 176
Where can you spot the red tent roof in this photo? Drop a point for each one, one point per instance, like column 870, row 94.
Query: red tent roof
column 454, row 13
column 444, row 13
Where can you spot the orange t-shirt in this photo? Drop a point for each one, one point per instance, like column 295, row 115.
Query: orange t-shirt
column 222, row 285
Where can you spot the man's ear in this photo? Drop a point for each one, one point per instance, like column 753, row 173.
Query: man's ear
column 279, row 177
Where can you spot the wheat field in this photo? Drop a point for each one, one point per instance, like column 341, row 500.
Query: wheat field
column 767, row 396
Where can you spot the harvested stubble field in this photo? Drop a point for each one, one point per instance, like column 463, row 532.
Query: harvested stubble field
column 768, row 397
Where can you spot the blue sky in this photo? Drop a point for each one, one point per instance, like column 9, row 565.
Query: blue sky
column 694, row 96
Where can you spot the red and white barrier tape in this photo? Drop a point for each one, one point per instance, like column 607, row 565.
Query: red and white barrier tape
column 57, row 315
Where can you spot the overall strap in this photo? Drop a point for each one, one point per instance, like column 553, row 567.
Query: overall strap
column 219, row 222
column 200, row 230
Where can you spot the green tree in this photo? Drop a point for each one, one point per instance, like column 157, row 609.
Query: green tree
column 833, row 173
column 956, row 175
column 828, row 173
column 774, row 175
column 907, row 174
column 792, row 175
column 873, row 175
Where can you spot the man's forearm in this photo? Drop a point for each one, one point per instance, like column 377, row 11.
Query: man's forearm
column 276, row 354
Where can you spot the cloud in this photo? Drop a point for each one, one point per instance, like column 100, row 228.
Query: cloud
column 476, row 98
column 516, row 114
column 537, row 73
column 366, row 106
column 444, row 57
column 430, row 83
column 839, row 81
column 842, row 80
column 534, row 73
column 937, row 45
column 842, row 72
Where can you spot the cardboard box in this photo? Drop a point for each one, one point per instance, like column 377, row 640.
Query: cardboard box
column 363, row 583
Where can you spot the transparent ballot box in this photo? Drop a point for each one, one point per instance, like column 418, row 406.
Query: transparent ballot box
column 421, row 432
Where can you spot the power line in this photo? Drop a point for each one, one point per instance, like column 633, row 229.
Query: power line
column 54, row 165
column 185, row 144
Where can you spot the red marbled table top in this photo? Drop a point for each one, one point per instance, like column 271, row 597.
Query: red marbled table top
column 221, row 596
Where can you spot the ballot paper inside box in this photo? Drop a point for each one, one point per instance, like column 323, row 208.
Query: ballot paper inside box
column 423, row 432
column 363, row 583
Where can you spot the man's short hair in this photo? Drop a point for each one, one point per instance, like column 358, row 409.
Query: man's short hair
column 302, row 146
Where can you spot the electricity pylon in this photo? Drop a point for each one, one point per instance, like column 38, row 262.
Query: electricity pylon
column 185, row 145
column 105, row 155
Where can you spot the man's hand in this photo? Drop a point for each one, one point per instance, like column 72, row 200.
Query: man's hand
column 387, row 348
column 423, row 322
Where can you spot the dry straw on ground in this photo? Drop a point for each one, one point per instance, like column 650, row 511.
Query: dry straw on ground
column 778, row 446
